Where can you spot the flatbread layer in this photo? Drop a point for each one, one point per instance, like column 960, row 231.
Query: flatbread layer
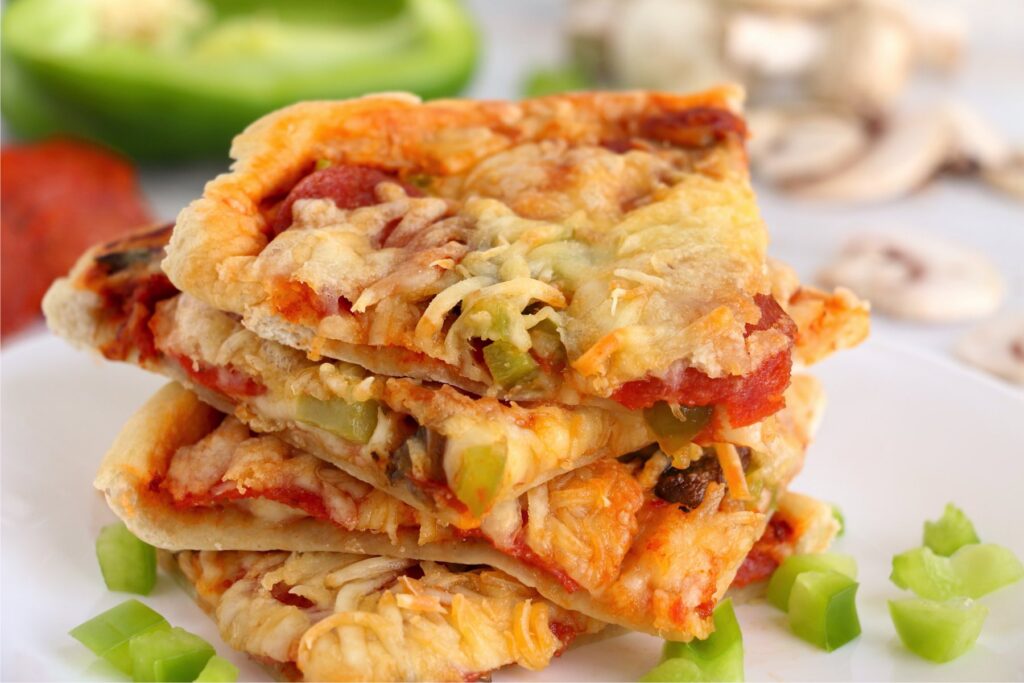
column 624, row 542
column 433, row 447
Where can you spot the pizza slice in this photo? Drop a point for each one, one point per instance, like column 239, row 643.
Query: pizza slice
column 644, row 541
column 598, row 245
column 434, row 447
column 344, row 617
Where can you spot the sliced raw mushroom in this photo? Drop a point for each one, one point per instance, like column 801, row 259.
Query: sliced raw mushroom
column 1008, row 176
column 917, row 277
column 810, row 147
column 974, row 143
column 907, row 153
column 997, row 346
column 867, row 60
column 667, row 44
column 764, row 126
column 771, row 45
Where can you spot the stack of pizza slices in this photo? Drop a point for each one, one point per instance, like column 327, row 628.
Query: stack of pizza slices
column 460, row 384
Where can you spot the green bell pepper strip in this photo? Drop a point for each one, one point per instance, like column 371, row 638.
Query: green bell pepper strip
column 552, row 81
column 719, row 657
column 171, row 655
column 218, row 670
column 781, row 584
column 108, row 634
column 823, row 609
column 938, row 631
column 950, row 532
column 186, row 94
column 127, row 564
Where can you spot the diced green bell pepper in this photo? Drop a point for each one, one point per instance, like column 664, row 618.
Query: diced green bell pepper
column 927, row 574
column 509, row 365
column 950, row 532
column 479, row 475
column 823, row 609
column 972, row 571
column 193, row 73
column 675, row 671
column 719, row 657
column 109, row 633
column 170, row 655
column 985, row 567
column 939, row 631
column 354, row 421
column 218, row 670
column 673, row 433
column 781, row 584
column 127, row 564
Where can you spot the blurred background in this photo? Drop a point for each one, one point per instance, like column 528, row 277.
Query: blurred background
column 887, row 136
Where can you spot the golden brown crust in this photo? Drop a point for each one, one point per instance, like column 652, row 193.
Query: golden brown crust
column 672, row 282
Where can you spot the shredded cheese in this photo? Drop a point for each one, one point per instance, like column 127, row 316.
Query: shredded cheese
column 732, row 469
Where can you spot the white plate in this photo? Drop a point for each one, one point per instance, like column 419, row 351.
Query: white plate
column 904, row 434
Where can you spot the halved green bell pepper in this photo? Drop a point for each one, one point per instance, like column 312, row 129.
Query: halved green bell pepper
column 175, row 80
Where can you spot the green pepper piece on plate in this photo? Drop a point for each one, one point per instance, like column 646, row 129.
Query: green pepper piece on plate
column 823, row 609
column 984, row 567
column 355, row 421
column 950, row 532
column 218, row 670
column 781, row 583
column 837, row 514
column 719, row 657
column 180, row 78
column 127, row 564
column 109, row 633
column 939, row 631
column 928, row 575
column 169, row 655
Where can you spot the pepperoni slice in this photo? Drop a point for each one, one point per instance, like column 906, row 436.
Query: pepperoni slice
column 349, row 187
column 58, row 198
column 747, row 398
column 694, row 127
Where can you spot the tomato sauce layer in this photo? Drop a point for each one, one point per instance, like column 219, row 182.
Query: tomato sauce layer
column 746, row 398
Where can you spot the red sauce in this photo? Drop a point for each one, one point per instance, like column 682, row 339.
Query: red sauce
column 566, row 633
column 134, row 308
column 767, row 553
column 280, row 592
column 746, row 398
column 224, row 379
column 348, row 186
column 706, row 609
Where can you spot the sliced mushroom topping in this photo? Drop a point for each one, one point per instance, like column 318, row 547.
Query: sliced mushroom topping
column 809, row 147
column 997, row 346
column 906, row 154
column 917, row 277
column 687, row 487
